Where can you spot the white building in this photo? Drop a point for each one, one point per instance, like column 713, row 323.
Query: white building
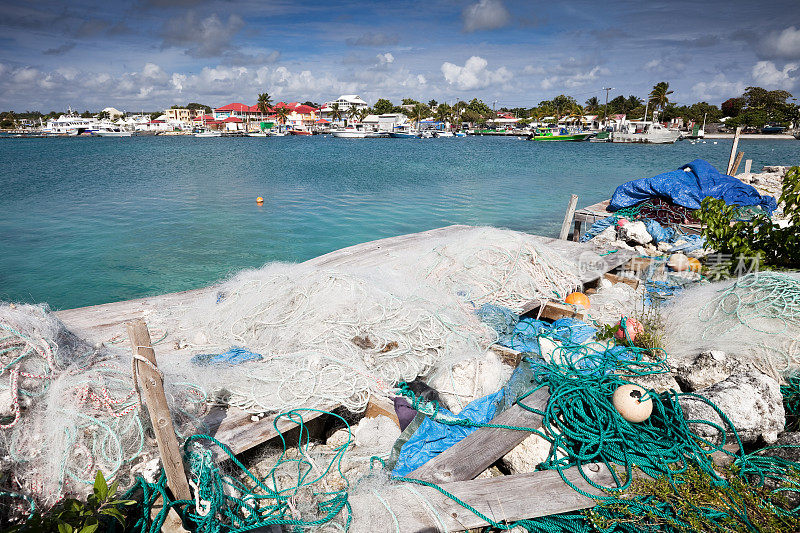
column 346, row 102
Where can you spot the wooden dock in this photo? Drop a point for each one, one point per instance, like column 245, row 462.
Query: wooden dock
column 591, row 214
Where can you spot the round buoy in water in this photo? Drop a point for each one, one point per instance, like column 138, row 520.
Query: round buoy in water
column 628, row 401
column 259, row 200
column 578, row 298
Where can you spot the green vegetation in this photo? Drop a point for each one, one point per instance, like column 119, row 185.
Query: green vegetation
column 693, row 501
column 100, row 512
column 758, row 107
column 264, row 102
column 758, row 237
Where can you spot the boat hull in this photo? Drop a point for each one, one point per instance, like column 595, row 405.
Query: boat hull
column 349, row 134
column 113, row 133
column 299, row 132
column 398, row 135
column 575, row 137
column 667, row 137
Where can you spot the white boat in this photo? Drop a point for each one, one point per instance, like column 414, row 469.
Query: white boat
column 258, row 134
column 439, row 134
column 208, row 133
column 349, row 133
column 113, row 133
column 460, row 134
column 71, row 124
column 377, row 135
column 645, row 132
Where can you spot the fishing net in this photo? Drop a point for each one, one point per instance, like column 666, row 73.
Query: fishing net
column 755, row 318
column 338, row 335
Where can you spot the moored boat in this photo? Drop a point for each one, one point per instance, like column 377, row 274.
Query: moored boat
column 349, row 133
column 646, row 133
column 556, row 134
column 299, row 132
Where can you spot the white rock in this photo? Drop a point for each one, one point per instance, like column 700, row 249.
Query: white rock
column 752, row 401
column 376, row 432
column 606, row 236
column 708, row 368
column 339, row 438
column 527, row 455
column 664, row 246
column 471, row 379
column 635, row 232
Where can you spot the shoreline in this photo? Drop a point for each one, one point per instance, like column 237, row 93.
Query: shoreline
column 746, row 136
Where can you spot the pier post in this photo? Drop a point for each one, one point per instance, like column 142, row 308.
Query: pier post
column 570, row 214
column 733, row 150
column 151, row 384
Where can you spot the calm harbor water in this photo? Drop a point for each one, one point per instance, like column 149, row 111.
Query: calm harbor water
column 93, row 220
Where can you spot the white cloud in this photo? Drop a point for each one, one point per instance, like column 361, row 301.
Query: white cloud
column 784, row 44
column 532, row 71
column 652, row 64
column 385, row 59
column 474, row 74
column 485, row 15
column 576, row 79
column 765, row 73
column 718, row 88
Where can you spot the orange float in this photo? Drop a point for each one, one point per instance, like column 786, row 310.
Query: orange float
column 259, row 200
column 694, row 264
column 578, row 298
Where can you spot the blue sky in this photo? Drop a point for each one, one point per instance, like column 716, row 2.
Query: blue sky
column 150, row 54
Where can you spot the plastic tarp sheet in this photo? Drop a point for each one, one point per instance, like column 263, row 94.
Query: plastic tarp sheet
column 527, row 331
column 432, row 438
column 688, row 186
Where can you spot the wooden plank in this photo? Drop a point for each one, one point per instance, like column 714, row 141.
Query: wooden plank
column 573, row 202
column 555, row 310
column 381, row 407
column 576, row 231
column 633, row 282
column 748, row 164
column 152, row 388
column 736, row 163
column 733, row 150
column 478, row 450
column 503, row 499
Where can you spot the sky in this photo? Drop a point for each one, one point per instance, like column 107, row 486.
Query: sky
column 151, row 54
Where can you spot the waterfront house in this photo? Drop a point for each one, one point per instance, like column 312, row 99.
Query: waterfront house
column 346, row 102
column 182, row 116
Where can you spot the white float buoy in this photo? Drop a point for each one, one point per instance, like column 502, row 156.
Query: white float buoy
column 628, row 401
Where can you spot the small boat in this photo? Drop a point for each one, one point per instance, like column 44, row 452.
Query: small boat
column 405, row 134
column 278, row 134
column 299, row 132
column 601, row 137
column 377, row 135
column 207, row 133
column 349, row 133
column 258, row 134
column 772, row 129
column 557, row 135
column 439, row 134
column 112, row 133
column 460, row 134
column 647, row 133
column 797, row 135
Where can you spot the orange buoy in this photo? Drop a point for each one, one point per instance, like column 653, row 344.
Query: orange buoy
column 578, row 298
column 627, row 400
column 259, row 200
column 694, row 264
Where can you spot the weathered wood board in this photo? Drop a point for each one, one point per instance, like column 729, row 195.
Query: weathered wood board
column 417, row 508
column 477, row 451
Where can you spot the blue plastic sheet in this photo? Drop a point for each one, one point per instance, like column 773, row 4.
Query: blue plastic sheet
column 432, row 438
column 688, row 186
column 234, row 356
column 659, row 232
column 526, row 334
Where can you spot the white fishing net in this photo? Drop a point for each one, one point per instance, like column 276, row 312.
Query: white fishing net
column 755, row 318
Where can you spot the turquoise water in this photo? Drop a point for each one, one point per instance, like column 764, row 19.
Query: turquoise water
column 95, row 220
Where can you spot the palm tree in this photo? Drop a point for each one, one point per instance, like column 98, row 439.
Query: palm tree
column 577, row 113
column 282, row 113
column 336, row 112
column 364, row 113
column 592, row 104
column 659, row 96
column 264, row 103
column 353, row 113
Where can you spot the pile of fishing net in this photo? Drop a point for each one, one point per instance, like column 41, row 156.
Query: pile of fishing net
column 338, row 335
column 755, row 318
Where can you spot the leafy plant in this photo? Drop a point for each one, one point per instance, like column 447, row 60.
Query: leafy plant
column 100, row 512
column 759, row 237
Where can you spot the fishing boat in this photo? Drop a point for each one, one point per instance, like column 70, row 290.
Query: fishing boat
column 439, row 134
column 207, row 133
column 557, row 134
column 349, row 133
column 460, row 134
column 405, row 133
column 299, row 132
column 377, row 135
column 112, row 133
column 601, row 137
column 772, row 129
column 257, row 134
column 645, row 132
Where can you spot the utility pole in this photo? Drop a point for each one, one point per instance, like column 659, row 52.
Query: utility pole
column 605, row 118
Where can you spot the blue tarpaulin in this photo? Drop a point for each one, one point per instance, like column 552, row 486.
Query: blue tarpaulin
column 432, row 438
column 688, row 186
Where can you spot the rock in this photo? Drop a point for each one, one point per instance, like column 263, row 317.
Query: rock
column 656, row 382
column 775, row 169
column 606, row 236
column 621, row 244
column 471, row 379
column 787, row 446
column 752, row 402
column 664, row 247
column 376, row 432
column 635, row 233
column 527, row 455
column 708, row 368
column 339, row 438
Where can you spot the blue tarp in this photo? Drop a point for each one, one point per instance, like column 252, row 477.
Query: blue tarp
column 527, row 331
column 688, row 186
column 432, row 438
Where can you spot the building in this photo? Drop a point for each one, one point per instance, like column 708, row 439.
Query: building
column 182, row 115
column 113, row 113
column 346, row 102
